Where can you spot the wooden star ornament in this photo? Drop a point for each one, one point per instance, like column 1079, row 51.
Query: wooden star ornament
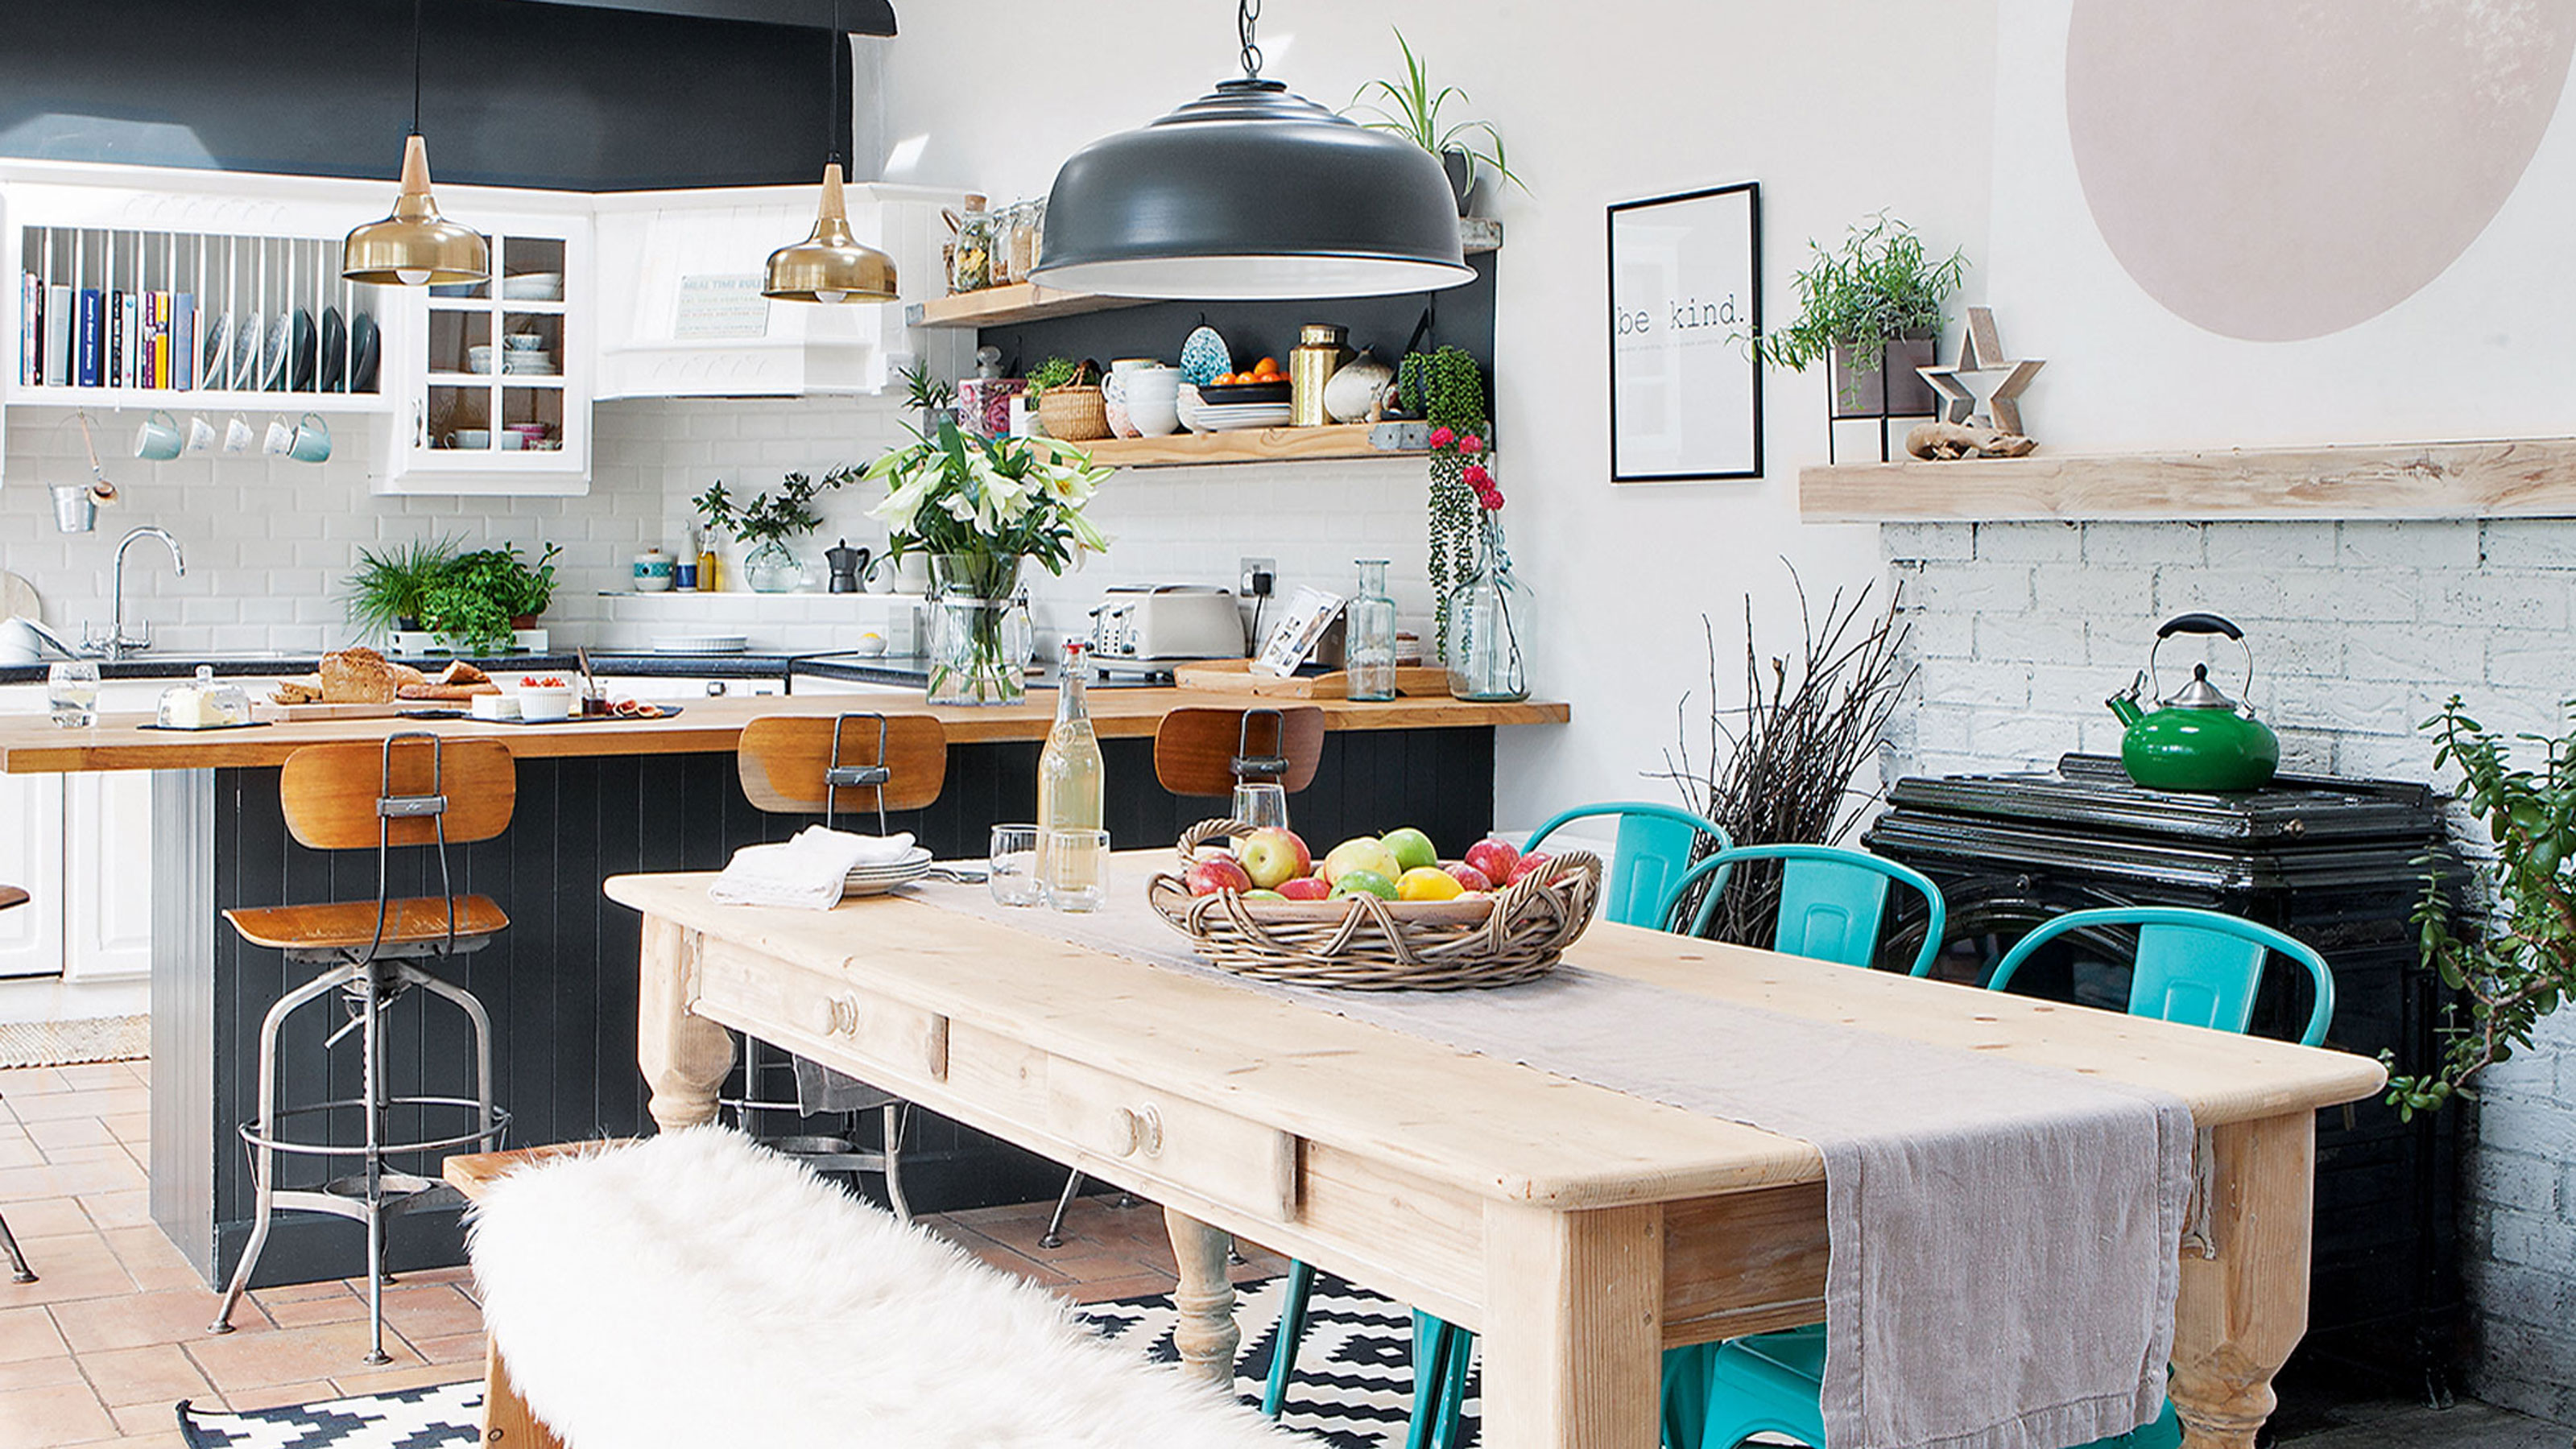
column 1983, row 387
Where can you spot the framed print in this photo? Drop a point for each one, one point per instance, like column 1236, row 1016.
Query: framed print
column 1685, row 307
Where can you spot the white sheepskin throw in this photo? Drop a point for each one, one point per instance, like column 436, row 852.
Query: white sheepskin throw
column 698, row 1290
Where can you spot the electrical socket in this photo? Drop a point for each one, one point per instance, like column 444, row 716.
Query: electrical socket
column 1251, row 587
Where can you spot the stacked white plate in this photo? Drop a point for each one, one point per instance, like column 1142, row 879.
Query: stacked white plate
column 876, row 880
column 1203, row 417
column 701, row 643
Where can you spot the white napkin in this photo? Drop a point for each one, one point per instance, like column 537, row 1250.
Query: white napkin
column 808, row 871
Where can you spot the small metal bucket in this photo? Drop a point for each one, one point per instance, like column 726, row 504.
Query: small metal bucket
column 75, row 508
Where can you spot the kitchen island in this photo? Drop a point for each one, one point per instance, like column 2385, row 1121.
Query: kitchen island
column 596, row 799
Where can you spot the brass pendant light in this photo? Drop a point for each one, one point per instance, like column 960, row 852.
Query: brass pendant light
column 831, row 265
column 415, row 246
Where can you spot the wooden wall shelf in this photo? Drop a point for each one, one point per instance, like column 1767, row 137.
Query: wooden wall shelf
column 2501, row 478
column 1029, row 302
column 1249, row 445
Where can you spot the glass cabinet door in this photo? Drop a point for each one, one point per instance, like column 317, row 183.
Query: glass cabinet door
column 496, row 384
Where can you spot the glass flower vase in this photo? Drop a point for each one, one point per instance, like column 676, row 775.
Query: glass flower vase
column 979, row 630
column 771, row 567
column 1484, row 648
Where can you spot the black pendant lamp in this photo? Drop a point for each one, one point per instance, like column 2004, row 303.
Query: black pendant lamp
column 831, row 265
column 415, row 246
column 1251, row 192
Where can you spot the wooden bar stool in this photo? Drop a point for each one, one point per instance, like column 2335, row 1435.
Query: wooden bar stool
column 414, row 789
column 1206, row 752
column 19, row 1272
column 812, row 765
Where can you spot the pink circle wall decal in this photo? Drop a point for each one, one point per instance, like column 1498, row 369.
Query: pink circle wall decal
column 2285, row 169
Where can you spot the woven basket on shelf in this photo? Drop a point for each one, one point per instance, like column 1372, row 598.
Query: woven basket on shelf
column 1074, row 414
column 1363, row 943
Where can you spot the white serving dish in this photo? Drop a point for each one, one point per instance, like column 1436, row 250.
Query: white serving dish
column 701, row 643
column 543, row 703
column 533, row 287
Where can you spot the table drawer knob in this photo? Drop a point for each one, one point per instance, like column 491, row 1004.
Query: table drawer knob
column 840, row 1016
column 1137, row 1132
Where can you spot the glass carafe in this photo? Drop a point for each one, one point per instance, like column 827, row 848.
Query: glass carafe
column 1368, row 635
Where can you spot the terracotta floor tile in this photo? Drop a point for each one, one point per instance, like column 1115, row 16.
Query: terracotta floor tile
column 150, row 1258
column 159, row 1372
column 144, row 1318
column 1103, row 1289
column 127, row 1209
column 994, row 1255
column 44, row 1217
column 97, row 1102
column 461, row 1275
column 87, row 1076
column 307, row 1312
column 133, row 1128
column 287, row 1355
column 18, row 1151
column 30, row 1082
column 69, row 1267
column 276, row 1396
column 299, row 1292
column 56, row 1415
column 70, row 1132
column 68, row 1179
column 463, row 1348
column 155, row 1422
column 432, row 1310
column 38, row 1373
column 27, row 1333
column 386, row 1381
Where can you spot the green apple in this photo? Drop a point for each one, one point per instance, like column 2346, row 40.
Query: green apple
column 1365, row 882
column 1363, row 852
column 1413, row 849
column 1261, row 895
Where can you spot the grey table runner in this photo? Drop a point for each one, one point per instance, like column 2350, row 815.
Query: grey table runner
column 2003, row 1236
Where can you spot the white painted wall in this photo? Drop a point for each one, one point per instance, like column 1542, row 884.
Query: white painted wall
column 1839, row 109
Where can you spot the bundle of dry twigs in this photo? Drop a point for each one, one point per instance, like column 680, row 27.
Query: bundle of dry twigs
column 1780, row 766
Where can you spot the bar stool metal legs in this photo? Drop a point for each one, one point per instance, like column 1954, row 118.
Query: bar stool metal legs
column 824, row 1153
column 19, row 1272
column 374, row 1192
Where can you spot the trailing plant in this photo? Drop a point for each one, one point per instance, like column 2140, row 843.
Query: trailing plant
column 785, row 514
column 479, row 599
column 1780, row 766
column 1448, row 388
column 1415, row 115
column 1878, row 287
column 2522, row 963
column 388, row 587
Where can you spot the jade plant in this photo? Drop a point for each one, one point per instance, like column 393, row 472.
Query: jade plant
column 1880, row 285
column 2522, row 963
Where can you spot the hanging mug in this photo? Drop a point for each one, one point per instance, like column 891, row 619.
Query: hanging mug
column 280, row 437
column 201, row 434
column 237, row 435
column 158, row 440
column 312, row 440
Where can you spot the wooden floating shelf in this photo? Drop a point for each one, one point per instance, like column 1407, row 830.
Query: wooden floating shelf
column 1029, row 302
column 1248, row 445
column 2500, row 478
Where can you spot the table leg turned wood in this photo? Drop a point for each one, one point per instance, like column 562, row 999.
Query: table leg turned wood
column 1573, row 1327
column 2240, row 1313
column 1206, row 1335
column 684, row 1057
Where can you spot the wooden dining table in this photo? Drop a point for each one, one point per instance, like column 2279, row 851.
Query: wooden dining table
column 1579, row 1230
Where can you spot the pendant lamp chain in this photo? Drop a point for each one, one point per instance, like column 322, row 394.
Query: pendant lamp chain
column 1247, row 14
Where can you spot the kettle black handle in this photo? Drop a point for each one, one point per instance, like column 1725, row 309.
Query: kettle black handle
column 2199, row 624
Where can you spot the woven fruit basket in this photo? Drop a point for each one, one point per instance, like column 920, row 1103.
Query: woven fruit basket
column 1362, row 943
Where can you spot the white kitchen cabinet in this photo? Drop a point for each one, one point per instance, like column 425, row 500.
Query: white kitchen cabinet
column 107, row 876
column 31, row 856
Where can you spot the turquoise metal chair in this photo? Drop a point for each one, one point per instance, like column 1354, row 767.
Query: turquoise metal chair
column 2197, row 967
column 1832, row 901
column 1653, row 848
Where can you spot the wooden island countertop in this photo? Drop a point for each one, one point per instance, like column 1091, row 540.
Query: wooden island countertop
column 34, row 745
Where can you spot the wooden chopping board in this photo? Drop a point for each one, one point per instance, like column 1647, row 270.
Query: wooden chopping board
column 1235, row 676
column 18, row 599
column 269, row 709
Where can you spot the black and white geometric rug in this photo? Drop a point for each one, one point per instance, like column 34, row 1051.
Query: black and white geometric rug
column 1353, row 1390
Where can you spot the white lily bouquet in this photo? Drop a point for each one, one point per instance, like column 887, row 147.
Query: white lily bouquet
column 980, row 507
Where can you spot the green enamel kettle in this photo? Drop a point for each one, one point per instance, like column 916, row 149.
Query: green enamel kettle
column 2197, row 738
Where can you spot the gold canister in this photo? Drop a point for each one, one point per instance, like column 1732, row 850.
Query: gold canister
column 1318, row 355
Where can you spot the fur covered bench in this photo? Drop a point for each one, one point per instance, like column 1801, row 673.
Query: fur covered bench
column 695, row 1289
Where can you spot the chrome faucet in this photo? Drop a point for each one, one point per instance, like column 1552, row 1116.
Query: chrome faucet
column 118, row 645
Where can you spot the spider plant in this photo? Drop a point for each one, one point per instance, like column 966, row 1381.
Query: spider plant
column 1412, row 110
column 389, row 587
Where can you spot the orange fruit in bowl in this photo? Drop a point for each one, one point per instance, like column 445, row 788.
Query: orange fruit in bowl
column 1427, row 883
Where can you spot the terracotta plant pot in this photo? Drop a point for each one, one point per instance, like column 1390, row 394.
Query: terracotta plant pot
column 1074, row 414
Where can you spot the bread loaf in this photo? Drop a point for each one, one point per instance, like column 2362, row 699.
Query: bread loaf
column 363, row 676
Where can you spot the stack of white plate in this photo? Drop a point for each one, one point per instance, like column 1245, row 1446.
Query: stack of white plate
column 876, row 880
column 701, row 643
column 1204, row 417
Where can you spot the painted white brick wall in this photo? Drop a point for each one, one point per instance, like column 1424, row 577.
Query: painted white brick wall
column 268, row 541
column 2359, row 632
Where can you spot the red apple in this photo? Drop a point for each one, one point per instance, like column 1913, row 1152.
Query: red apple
column 1470, row 878
column 1272, row 855
column 1217, row 873
column 1306, row 888
column 1530, row 865
column 1495, row 858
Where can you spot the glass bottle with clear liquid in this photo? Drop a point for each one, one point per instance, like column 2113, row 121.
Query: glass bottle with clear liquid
column 1072, row 850
column 1368, row 635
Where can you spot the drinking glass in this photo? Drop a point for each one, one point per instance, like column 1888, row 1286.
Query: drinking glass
column 1261, row 803
column 1075, row 869
column 1014, row 860
column 71, row 688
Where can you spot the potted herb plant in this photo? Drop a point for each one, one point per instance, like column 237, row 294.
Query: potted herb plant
column 1412, row 110
column 483, row 596
column 1873, row 306
column 1068, row 400
column 386, row 591
column 768, row 521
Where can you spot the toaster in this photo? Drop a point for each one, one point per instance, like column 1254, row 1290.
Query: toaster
column 1149, row 622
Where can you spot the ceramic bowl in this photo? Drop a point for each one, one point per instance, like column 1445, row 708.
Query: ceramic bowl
column 524, row 341
column 545, row 704
column 533, row 287
column 478, row 359
column 1154, row 417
